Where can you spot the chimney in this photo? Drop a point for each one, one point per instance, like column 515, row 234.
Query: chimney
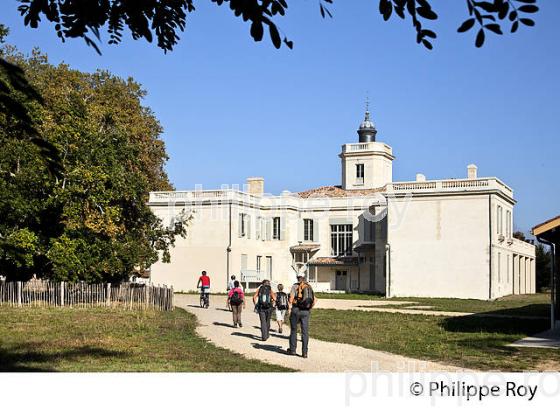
column 255, row 185
column 420, row 178
column 472, row 172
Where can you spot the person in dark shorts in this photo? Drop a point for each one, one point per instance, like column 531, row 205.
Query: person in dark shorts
column 282, row 306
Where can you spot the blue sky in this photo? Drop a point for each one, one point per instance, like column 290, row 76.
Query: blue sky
column 232, row 108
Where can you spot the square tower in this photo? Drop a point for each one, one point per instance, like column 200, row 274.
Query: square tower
column 367, row 164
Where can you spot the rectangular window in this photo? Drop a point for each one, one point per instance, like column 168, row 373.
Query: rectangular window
column 499, row 218
column 359, row 173
column 508, row 224
column 276, row 228
column 308, row 229
column 242, row 225
column 259, row 260
column 341, row 240
column 301, row 257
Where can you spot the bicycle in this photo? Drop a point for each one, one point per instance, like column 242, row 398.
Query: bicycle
column 204, row 298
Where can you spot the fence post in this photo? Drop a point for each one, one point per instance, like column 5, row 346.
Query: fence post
column 108, row 298
column 19, row 293
column 62, row 293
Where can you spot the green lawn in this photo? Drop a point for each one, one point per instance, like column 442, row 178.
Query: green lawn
column 471, row 341
column 100, row 340
column 519, row 305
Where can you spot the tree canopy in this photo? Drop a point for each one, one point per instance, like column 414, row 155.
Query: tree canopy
column 164, row 19
column 91, row 222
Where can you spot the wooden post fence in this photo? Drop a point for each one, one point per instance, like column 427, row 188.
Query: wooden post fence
column 63, row 294
column 19, row 293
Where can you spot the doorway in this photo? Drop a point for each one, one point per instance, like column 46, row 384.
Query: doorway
column 341, row 280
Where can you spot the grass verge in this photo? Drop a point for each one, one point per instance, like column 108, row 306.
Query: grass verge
column 518, row 305
column 471, row 341
column 103, row 340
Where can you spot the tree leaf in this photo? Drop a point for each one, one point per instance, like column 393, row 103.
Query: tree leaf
column 275, row 36
column 427, row 44
column 527, row 22
column 486, row 6
column 514, row 26
column 385, row 8
column 466, row 26
column 495, row 28
column 426, row 13
column 257, row 30
column 528, row 8
column 480, row 38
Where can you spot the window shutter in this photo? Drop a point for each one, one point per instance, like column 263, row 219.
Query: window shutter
column 248, row 227
column 258, row 228
column 282, row 228
column 300, row 231
column 316, row 230
column 269, row 229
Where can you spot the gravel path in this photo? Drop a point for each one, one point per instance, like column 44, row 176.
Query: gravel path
column 410, row 308
column 216, row 326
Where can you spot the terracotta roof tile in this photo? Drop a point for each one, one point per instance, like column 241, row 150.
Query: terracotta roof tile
column 329, row 261
column 336, row 191
column 308, row 247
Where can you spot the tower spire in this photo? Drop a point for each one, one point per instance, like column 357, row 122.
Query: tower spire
column 367, row 130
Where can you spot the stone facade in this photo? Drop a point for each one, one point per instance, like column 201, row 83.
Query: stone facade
column 444, row 238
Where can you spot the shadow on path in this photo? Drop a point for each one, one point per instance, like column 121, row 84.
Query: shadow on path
column 271, row 348
column 223, row 324
column 247, row 335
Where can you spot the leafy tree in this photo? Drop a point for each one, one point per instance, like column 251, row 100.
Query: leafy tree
column 519, row 235
column 542, row 267
column 16, row 94
column 91, row 222
column 3, row 33
column 163, row 19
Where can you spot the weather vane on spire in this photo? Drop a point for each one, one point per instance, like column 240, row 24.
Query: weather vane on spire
column 367, row 129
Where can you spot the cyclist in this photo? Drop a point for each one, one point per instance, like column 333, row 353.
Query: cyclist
column 204, row 285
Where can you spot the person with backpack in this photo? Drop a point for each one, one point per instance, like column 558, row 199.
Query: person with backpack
column 264, row 299
column 282, row 306
column 302, row 300
column 236, row 303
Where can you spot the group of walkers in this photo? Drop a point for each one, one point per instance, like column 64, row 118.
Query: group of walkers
column 296, row 305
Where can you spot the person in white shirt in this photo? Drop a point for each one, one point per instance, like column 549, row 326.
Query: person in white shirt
column 231, row 283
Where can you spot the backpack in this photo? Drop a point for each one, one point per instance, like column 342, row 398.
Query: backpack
column 304, row 296
column 235, row 299
column 281, row 301
column 265, row 299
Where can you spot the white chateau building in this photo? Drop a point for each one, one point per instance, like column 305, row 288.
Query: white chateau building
column 433, row 238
